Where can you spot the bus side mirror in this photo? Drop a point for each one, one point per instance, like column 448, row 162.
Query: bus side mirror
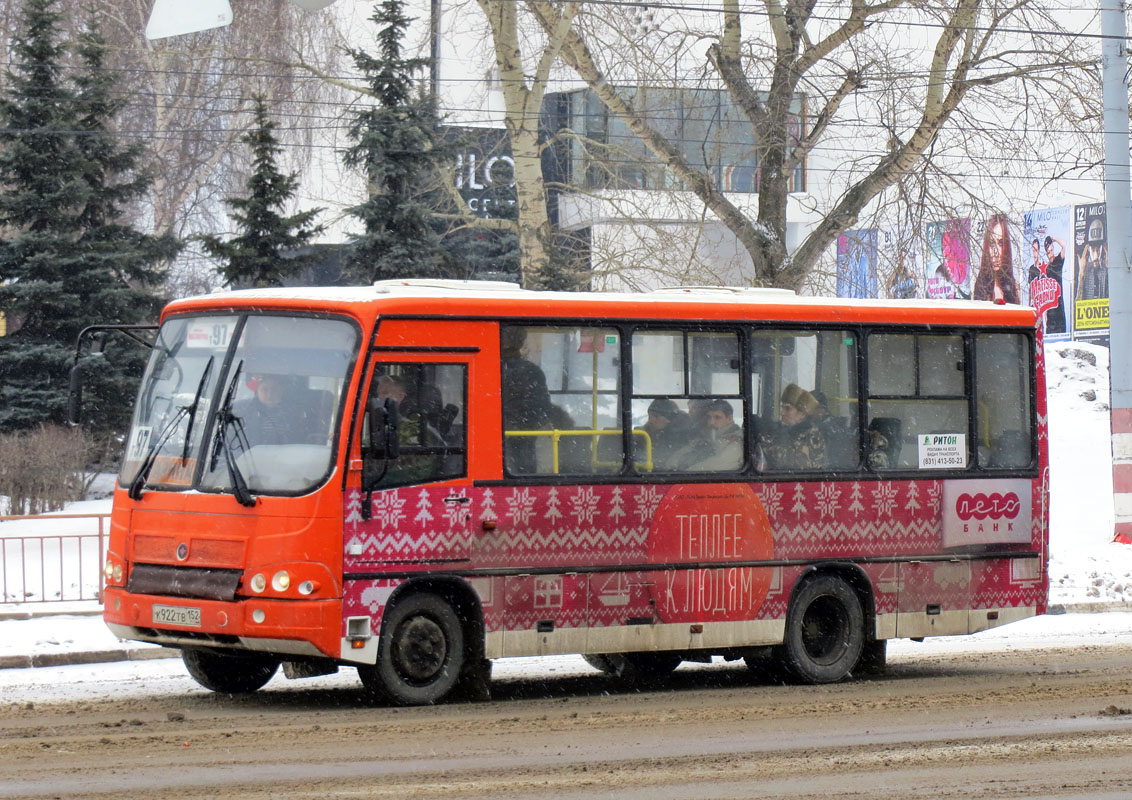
column 75, row 397
column 384, row 421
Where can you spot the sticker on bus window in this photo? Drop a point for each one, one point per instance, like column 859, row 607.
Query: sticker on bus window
column 139, row 443
column 212, row 334
column 943, row 450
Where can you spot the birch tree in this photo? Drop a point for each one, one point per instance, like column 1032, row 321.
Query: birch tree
column 940, row 59
column 523, row 79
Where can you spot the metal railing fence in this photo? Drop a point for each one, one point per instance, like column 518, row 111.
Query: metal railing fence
column 64, row 565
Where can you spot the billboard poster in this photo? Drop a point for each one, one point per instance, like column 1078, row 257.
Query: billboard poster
column 947, row 269
column 898, row 264
column 1045, row 233
column 857, row 263
column 1090, row 249
column 997, row 278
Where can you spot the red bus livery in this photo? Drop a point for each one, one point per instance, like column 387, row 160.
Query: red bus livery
column 416, row 478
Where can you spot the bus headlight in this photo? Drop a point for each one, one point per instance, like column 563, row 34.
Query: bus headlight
column 259, row 583
column 281, row 581
column 114, row 571
column 307, row 588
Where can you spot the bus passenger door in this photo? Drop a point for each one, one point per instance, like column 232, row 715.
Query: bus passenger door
column 420, row 507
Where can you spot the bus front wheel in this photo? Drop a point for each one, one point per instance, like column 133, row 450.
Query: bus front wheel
column 825, row 631
column 421, row 653
column 230, row 673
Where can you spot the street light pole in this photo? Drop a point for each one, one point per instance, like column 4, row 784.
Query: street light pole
column 1114, row 62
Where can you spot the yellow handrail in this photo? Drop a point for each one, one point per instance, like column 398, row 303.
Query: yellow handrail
column 556, row 435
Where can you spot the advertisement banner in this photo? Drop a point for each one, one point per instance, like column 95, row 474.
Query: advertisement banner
column 1048, row 284
column 857, row 263
column 898, row 264
column 947, row 269
column 1090, row 247
column 997, row 278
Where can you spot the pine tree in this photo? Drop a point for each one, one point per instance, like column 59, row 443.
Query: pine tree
column 66, row 261
column 124, row 266
column 398, row 149
column 263, row 252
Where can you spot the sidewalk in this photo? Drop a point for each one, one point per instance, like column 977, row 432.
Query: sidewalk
column 65, row 634
column 73, row 633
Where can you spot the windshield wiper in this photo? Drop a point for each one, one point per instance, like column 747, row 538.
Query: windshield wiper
column 225, row 417
column 192, row 409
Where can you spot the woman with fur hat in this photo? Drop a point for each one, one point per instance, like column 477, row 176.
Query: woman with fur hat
column 797, row 443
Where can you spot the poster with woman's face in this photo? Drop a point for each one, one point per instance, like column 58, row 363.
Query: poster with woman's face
column 996, row 280
column 947, row 268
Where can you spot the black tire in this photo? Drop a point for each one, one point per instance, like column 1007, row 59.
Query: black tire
column 230, row 673
column 825, row 631
column 421, row 656
column 634, row 667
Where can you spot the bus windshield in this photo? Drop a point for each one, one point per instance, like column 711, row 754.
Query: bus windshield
column 248, row 399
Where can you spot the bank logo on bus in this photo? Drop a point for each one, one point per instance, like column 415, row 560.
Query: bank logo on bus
column 988, row 506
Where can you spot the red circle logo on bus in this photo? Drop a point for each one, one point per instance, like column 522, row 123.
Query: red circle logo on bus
column 987, row 506
column 697, row 529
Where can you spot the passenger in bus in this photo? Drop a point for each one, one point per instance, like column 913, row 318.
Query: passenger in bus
column 669, row 428
column 797, row 443
column 723, row 450
column 413, row 431
column 526, row 401
column 271, row 416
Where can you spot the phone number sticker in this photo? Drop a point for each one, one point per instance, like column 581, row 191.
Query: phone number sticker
column 943, row 450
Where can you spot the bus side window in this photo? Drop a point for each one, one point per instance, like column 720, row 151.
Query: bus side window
column 561, row 400
column 430, row 401
column 805, row 388
column 688, row 415
column 916, row 390
column 1002, row 389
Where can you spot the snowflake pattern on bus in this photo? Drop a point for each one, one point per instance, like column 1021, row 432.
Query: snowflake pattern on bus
column 585, row 528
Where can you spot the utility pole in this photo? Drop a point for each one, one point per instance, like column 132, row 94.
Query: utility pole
column 434, row 12
column 1118, row 200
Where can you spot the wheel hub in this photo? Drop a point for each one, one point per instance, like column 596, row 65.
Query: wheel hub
column 420, row 650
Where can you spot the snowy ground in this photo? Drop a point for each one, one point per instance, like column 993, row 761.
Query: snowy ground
column 166, row 677
column 1085, row 566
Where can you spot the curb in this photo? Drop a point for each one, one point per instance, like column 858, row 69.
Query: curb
column 87, row 657
column 40, row 613
column 1055, row 609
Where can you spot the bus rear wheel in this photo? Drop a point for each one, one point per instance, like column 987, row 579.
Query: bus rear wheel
column 634, row 667
column 230, row 673
column 825, row 631
column 421, row 654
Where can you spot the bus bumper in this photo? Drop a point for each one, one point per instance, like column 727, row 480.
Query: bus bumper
column 285, row 627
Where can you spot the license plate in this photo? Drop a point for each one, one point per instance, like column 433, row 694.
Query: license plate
column 176, row 615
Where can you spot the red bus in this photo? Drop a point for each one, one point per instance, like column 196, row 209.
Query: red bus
column 416, row 478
